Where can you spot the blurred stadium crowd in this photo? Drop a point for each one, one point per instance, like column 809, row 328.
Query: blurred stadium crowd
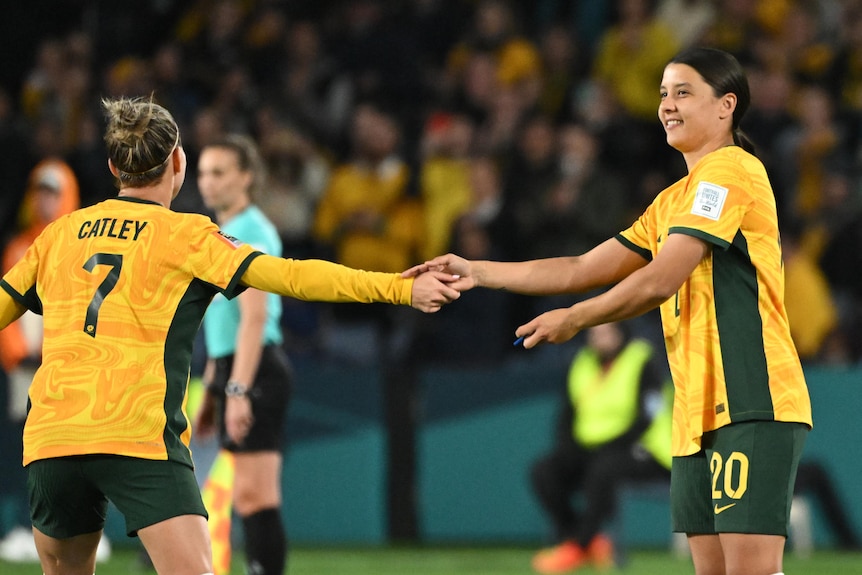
column 396, row 130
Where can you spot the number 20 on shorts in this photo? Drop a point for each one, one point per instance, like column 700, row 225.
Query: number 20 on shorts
column 730, row 477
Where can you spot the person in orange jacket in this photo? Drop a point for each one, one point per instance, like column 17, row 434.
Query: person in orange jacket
column 52, row 191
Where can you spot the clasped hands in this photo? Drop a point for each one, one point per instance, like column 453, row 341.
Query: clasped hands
column 441, row 280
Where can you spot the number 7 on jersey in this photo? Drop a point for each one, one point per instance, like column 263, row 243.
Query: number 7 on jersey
column 115, row 261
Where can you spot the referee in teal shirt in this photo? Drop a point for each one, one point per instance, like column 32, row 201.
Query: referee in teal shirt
column 248, row 374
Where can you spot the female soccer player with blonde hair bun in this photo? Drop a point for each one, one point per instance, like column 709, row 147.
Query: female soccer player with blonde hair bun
column 122, row 286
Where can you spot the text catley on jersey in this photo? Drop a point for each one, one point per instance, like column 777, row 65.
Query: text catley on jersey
column 726, row 330
column 123, row 286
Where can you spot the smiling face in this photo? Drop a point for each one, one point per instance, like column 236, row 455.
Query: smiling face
column 695, row 120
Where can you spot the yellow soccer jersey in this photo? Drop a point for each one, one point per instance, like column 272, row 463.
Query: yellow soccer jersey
column 726, row 330
column 123, row 286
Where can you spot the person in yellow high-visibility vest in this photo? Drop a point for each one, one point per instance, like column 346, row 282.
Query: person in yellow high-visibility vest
column 610, row 431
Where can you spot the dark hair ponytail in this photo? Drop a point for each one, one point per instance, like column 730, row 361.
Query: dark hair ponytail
column 725, row 75
column 743, row 141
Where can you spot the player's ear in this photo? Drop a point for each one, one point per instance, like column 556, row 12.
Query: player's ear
column 728, row 105
column 178, row 160
column 113, row 168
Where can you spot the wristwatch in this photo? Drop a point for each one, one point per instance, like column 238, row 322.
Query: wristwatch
column 235, row 389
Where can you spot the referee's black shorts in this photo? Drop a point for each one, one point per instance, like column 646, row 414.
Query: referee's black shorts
column 270, row 396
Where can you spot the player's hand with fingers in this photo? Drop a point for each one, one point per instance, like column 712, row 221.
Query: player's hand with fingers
column 432, row 290
column 450, row 263
column 555, row 326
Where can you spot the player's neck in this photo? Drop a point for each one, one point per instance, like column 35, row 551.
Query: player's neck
column 694, row 156
column 160, row 194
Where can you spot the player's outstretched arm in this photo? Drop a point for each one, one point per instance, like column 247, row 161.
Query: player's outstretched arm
column 607, row 263
column 320, row 280
column 642, row 290
column 512, row 276
column 10, row 310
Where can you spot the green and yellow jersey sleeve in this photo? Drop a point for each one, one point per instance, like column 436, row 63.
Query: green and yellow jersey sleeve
column 320, row 280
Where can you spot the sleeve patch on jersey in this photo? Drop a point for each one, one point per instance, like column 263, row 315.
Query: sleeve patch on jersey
column 229, row 239
column 709, row 200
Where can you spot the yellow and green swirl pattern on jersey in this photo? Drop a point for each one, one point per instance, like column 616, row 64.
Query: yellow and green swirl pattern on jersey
column 123, row 286
column 726, row 330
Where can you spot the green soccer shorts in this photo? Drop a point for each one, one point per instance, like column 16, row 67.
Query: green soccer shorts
column 69, row 495
column 740, row 482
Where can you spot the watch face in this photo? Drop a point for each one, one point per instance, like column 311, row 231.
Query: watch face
column 234, row 389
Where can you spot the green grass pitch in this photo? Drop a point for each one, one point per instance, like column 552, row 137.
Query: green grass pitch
column 459, row 561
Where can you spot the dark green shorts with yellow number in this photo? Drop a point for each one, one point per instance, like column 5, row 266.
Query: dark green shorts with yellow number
column 740, row 482
column 69, row 495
